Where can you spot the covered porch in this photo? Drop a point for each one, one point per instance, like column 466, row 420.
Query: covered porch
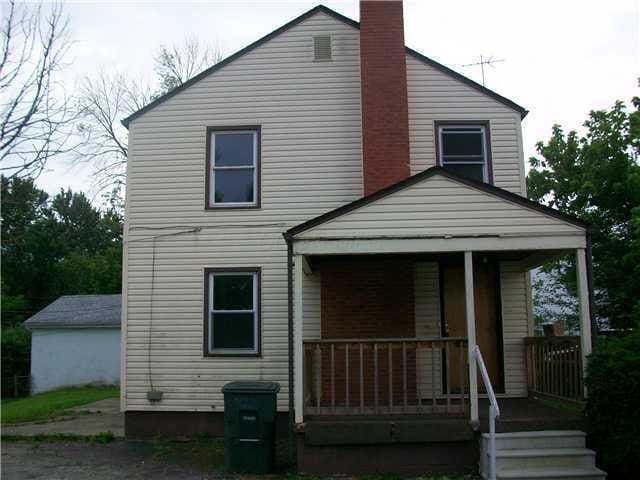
column 397, row 297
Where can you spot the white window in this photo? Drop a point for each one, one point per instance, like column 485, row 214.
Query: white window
column 463, row 149
column 233, row 168
column 233, row 312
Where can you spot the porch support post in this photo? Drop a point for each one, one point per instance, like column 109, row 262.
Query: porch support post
column 471, row 337
column 298, row 363
column 585, row 313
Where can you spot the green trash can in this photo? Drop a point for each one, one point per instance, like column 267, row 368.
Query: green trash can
column 249, row 425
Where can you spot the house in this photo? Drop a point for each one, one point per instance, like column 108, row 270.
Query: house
column 338, row 213
column 75, row 341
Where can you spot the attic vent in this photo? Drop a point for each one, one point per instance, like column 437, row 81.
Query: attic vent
column 322, row 47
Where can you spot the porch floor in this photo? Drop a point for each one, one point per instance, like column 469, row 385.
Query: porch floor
column 516, row 414
column 524, row 414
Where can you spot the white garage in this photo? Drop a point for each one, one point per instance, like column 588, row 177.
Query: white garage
column 76, row 341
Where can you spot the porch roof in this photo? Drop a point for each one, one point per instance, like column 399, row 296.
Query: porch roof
column 436, row 210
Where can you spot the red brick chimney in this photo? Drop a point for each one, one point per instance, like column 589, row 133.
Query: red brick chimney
column 383, row 79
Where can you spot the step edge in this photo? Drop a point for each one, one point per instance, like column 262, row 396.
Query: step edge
column 539, row 452
column 544, row 472
column 539, row 434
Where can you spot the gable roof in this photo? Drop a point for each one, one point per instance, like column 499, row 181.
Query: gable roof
column 79, row 311
column 332, row 13
column 420, row 177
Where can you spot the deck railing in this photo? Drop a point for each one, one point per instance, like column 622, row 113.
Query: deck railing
column 554, row 367
column 386, row 376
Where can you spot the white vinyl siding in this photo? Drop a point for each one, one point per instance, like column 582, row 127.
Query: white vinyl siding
column 309, row 114
column 440, row 206
column 513, row 288
column 433, row 95
column 427, row 315
column 311, row 305
column 311, row 145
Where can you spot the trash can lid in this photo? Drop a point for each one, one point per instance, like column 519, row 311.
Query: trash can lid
column 251, row 387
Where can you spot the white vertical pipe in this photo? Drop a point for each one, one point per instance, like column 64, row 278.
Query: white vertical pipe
column 471, row 337
column 492, row 442
column 585, row 313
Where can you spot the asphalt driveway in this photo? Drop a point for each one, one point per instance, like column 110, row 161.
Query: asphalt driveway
column 82, row 460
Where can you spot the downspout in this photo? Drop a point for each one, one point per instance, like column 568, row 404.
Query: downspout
column 594, row 327
column 289, row 241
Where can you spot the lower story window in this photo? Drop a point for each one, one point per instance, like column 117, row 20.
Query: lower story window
column 233, row 314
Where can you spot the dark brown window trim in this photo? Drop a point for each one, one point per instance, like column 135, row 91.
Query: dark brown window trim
column 207, row 189
column 205, row 340
column 479, row 123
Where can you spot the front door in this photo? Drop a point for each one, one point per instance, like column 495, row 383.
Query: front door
column 488, row 323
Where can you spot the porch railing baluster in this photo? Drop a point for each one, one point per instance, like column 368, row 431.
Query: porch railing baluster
column 333, row 379
column 361, row 380
column 462, row 377
column 553, row 367
column 433, row 378
column 404, row 375
column 390, row 378
column 326, row 385
column 318, row 377
column 447, row 380
column 375, row 376
column 346, row 376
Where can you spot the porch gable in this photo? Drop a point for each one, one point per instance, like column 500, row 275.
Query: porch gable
column 438, row 204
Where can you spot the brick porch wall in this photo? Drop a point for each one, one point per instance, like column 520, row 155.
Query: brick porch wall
column 368, row 299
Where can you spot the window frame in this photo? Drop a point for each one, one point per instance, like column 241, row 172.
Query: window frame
column 210, row 203
column 207, row 345
column 486, row 128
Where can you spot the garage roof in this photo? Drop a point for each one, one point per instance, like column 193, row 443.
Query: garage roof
column 79, row 311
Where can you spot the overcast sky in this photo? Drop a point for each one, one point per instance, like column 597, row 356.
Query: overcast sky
column 561, row 58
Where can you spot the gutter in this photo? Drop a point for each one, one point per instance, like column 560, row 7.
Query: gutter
column 289, row 241
column 40, row 326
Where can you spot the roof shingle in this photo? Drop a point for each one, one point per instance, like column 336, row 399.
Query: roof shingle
column 79, row 310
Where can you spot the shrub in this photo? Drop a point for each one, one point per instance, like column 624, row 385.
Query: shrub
column 16, row 352
column 613, row 405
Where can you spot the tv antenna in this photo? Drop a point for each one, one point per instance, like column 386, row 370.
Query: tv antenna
column 484, row 61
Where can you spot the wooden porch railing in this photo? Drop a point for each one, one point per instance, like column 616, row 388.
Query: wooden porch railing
column 554, row 367
column 386, row 376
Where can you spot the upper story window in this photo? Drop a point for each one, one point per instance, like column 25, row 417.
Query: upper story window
column 233, row 159
column 232, row 320
column 464, row 149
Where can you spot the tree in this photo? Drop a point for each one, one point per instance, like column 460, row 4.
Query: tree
column 104, row 101
column 108, row 98
column 178, row 63
column 51, row 248
column 552, row 300
column 36, row 118
column 22, row 205
column 597, row 177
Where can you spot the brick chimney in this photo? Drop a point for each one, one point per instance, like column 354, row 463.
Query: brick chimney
column 383, row 79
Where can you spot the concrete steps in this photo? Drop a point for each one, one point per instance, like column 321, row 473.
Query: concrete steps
column 554, row 474
column 545, row 455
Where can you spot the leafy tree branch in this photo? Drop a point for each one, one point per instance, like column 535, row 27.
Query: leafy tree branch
column 596, row 176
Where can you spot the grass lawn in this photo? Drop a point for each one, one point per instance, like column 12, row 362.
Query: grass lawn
column 54, row 403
